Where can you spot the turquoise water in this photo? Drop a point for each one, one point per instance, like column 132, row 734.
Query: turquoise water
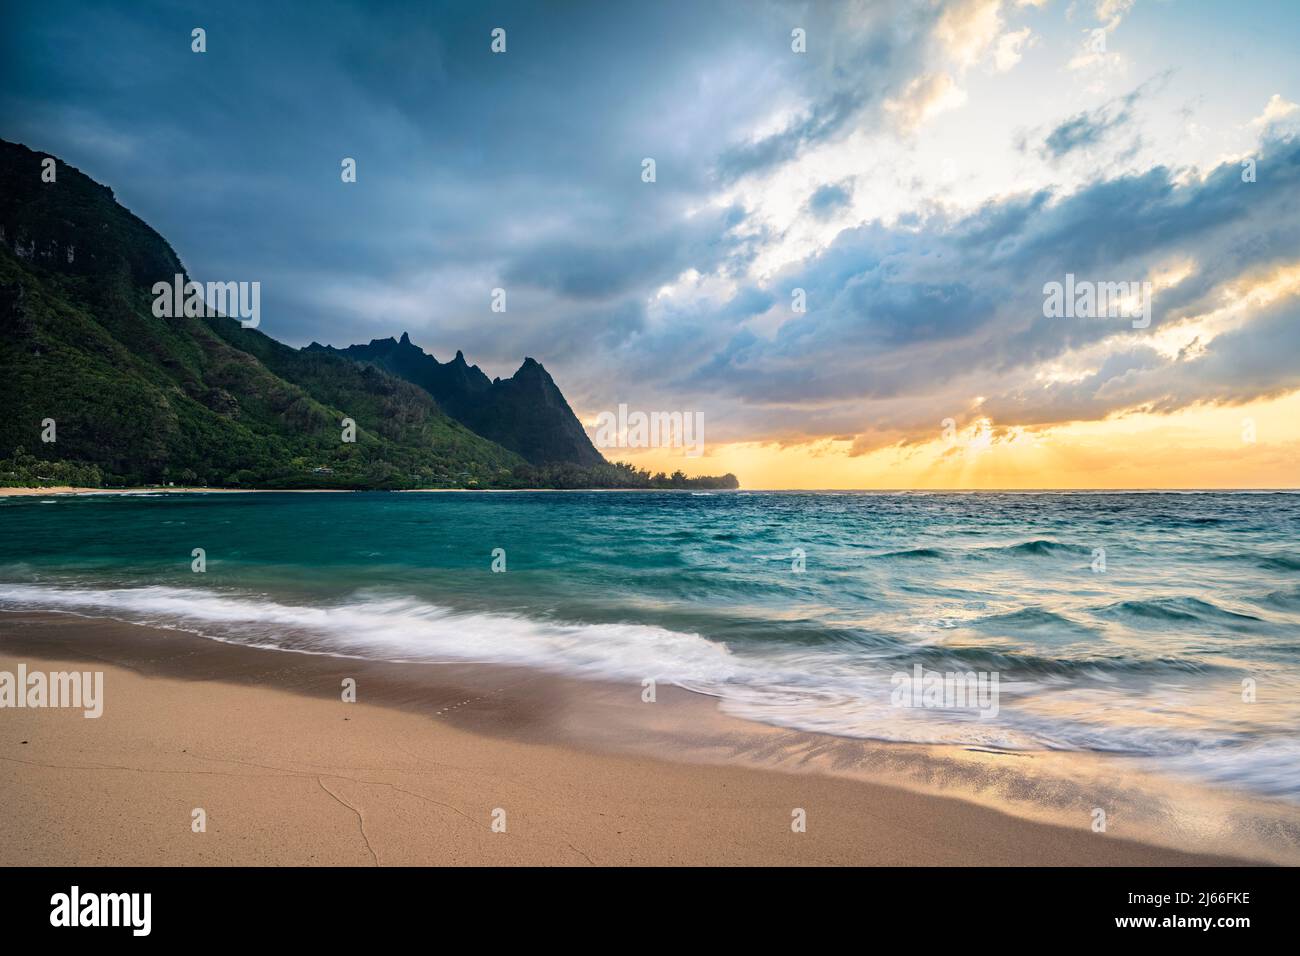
column 1144, row 659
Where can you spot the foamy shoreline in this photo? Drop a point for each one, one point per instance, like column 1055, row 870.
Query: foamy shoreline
column 585, row 771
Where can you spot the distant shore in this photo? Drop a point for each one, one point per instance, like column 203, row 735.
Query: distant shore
column 66, row 490
column 430, row 757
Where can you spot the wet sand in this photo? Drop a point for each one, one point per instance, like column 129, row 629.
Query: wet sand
column 479, row 765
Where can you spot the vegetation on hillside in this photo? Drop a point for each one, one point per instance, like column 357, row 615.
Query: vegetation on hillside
column 141, row 400
column 617, row 475
column 24, row 470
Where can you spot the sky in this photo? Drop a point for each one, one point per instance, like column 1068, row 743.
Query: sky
column 840, row 264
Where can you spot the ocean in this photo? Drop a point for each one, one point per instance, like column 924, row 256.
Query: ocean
column 1157, row 627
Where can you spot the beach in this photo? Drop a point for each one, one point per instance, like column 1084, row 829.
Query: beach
column 428, row 758
column 677, row 434
column 655, row 678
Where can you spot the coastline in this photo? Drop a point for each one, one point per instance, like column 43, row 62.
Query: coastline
column 411, row 773
column 69, row 490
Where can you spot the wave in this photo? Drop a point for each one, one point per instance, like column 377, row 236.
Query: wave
column 373, row 625
column 1179, row 609
column 843, row 687
column 1042, row 547
column 1275, row 561
column 1037, row 548
column 1036, row 619
column 1270, row 766
column 1022, row 665
column 1278, row 562
column 1284, row 600
column 401, row 629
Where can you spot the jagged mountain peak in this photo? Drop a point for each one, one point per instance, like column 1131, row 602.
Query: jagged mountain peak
column 532, row 371
column 526, row 413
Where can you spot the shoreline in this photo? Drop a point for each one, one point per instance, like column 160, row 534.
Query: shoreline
column 412, row 772
column 70, row 490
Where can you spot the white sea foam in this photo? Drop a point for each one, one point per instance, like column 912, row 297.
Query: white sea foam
column 820, row 690
column 828, row 690
column 402, row 629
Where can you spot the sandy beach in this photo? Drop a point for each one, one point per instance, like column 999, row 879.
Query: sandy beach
column 425, row 762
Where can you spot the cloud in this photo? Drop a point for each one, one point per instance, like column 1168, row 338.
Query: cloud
column 1111, row 12
column 969, row 29
column 611, row 266
column 1010, row 49
column 966, row 29
column 1277, row 108
column 829, row 198
column 1093, row 55
column 856, row 52
column 925, row 97
column 1089, row 128
column 905, row 325
column 1084, row 130
column 474, row 169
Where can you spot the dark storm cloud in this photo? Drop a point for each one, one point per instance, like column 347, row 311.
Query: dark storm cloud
column 589, row 269
column 475, row 170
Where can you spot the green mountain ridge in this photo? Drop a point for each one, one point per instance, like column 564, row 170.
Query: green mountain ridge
column 136, row 399
column 526, row 413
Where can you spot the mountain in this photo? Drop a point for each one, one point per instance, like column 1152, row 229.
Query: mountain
column 526, row 413
column 130, row 397
column 188, row 399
